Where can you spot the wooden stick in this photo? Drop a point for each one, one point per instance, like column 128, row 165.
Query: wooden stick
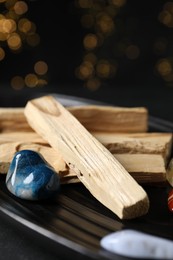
column 137, row 143
column 144, row 168
column 94, row 118
column 112, row 119
column 142, row 155
column 94, row 165
column 13, row 119
column 142, row 143
column 22, row 137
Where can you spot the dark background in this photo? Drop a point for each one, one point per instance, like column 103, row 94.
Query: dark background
column 136, row 83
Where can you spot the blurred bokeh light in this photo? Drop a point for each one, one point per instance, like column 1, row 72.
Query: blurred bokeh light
column 17, row 33
column 86, row 42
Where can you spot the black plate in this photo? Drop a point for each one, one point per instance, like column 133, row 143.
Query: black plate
column 73, row 224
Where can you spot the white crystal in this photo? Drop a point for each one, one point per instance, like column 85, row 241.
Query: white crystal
column 136, row 244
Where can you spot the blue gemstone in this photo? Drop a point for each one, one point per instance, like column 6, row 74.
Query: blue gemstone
column 30, row 177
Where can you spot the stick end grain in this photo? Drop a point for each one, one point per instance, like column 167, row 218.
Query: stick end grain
column 136, row 210
column 50, row 105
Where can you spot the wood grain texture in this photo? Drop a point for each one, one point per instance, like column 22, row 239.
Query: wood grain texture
column 145, row 160
column 94, row 165
column 144, row 168
column 112, row 119
column 13, row 119
column 137, row 143
column 93, row 118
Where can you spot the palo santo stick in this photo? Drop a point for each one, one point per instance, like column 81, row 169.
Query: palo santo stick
column 94, row 165
column 144, row 168
column 142, row 155
column 94, row 118
column 13, row 119
column 142, row 143
column 22, row 137
column 139, row 143
column 112, row 119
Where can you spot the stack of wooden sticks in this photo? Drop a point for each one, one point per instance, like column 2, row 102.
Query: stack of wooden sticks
column 123, row 131
column 107, row 149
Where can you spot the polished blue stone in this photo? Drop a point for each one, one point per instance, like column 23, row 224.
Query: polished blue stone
column 30, row 177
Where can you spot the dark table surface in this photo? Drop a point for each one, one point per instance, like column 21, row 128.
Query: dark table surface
column 15, row 242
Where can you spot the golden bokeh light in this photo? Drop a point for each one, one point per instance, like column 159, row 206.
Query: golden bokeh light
column 41, row 67
column 3, row 36
column 1, row 25
column 17, row 31
column 20, row 7
column 31, row 80
column 85, row 70
column 14, row 41
column 12, row 15
column 2, row 21
column 168, row 6
column 2, row 54
column 105, row 23
column 85, row 3
column 169, row 78
column 90, row 41
column 93, row 84
column 166, row 18
column 17, row 83
column 91, row 57
column 2, row 16
column 103, row 69
column 166, row 15
column 132, row 52
column 164, row 67
column 10, row 3
column 33, row 27
column 100, row 17
column 118, row 3
column 8, row 25
column 24, row 25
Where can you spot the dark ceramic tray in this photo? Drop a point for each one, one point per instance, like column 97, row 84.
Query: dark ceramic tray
column 73, row 224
